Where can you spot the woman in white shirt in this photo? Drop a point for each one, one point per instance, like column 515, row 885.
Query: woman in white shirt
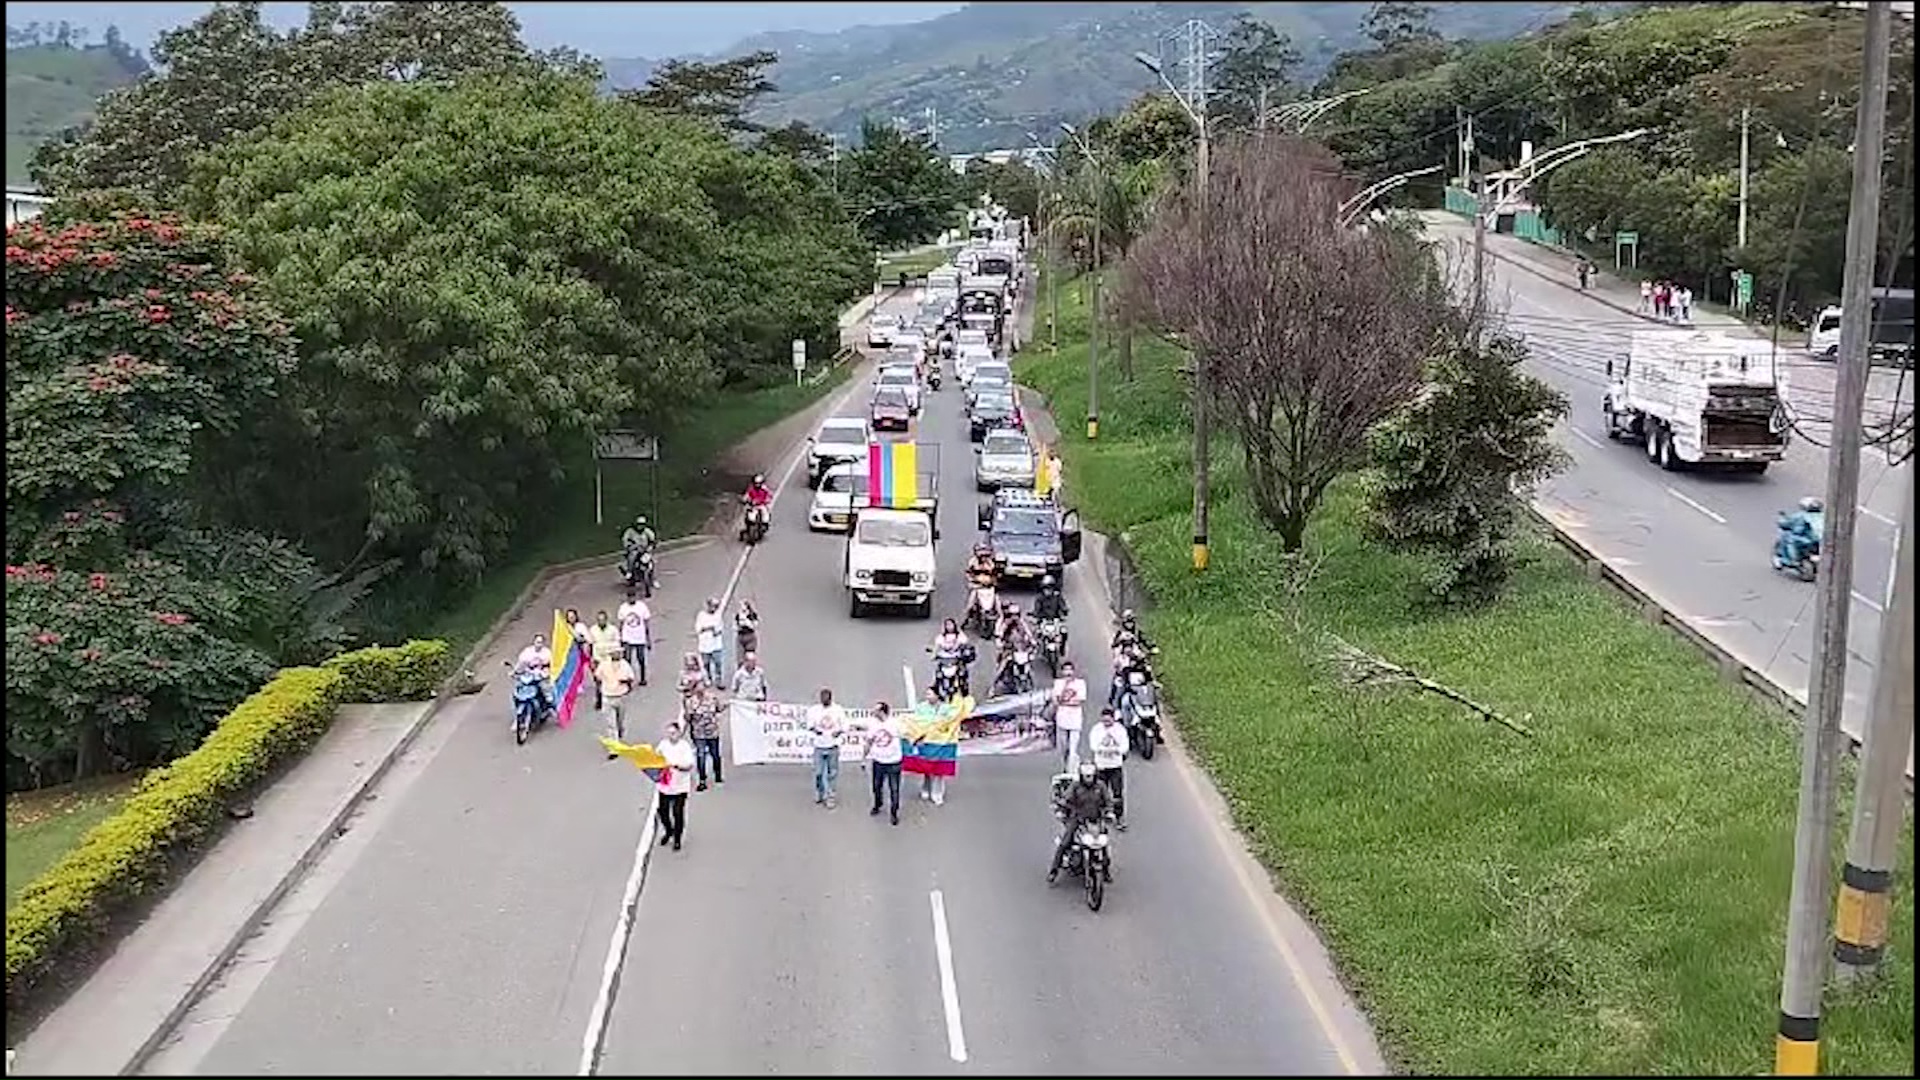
column 675, row 781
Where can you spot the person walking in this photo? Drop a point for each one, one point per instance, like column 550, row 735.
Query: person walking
column 750, row 679
column 1108, row 745
column 826, row 722
column 933, row 788
column 1069, row 701
column 707, row 634
column 636, row 632
column 746, row 629
column 1646, row 297
column 601, row 641
column 616, row 680
column 675, row 781
column 1586, row 274
column 702, row 708
column 691, row 674
column 881, row 737
column 1683, row 299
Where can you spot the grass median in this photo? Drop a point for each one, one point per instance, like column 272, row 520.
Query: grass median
column 913, row 264
column 1607, row 897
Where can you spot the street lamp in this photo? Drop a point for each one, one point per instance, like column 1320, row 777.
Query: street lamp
column 1351, row 209
column 1093, row 337
column 1196, row 112
column 1306, row 112
column 1053, row 251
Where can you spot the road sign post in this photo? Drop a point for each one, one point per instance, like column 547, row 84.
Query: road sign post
column 624, row 445
column 1742, row 291
column 799, row 361
column 1630, row 241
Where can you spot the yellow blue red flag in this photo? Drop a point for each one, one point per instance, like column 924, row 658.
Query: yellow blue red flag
column 568, row 671
column 893, row 475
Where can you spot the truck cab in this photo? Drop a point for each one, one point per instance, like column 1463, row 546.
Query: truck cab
column 891, row 550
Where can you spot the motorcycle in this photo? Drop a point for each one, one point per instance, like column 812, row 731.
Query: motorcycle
column 754, row 522
column 1053, row 644
column 1140, row 710
column 1807, row 568
column 933, row 378
column 1090, row 856
column 950, row 675
column 982, row 612
column 1133, row 658
column 531, row 704
column 1016, row 677
column 636, row 570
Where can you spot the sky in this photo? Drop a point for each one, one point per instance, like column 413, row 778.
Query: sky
column 605, row 30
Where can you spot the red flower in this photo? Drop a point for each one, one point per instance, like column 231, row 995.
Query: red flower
column 47, row 637
column 98, row 581
column 103, row 259
column 158, row 313
column 170, row 618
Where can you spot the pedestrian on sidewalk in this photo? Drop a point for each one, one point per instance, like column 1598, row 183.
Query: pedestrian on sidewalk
column 675, row 781
column 1646, row 297
column 1108, row 743
column 708, row 638
column 1069, row 699
column 933, row 788
column 1683, row 297
column 636, row 632
column 602, row 641
column 616, row 680
column 881, row 738
column 746, row 629
column 702, row 709
column 1586, row 274
column 750, row 679
column 583, row 645
column 826, row 722
column 1661, row 297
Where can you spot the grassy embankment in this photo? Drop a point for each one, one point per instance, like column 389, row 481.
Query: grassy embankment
column 1605, row 898
column 44, row 825
column 913, row 264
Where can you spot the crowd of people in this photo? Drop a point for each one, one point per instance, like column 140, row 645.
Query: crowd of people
column 1666, row 300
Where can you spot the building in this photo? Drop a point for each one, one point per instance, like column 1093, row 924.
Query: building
column 25, row 205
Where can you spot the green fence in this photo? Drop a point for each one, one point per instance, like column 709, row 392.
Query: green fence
column 1528, row 226
column 1460, row 201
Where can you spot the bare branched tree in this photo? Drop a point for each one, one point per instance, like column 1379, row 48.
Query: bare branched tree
column 1312, row 333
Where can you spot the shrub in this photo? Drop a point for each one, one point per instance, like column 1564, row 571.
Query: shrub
column 410, row 672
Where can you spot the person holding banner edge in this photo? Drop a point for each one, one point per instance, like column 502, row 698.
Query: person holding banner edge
column 881, row 737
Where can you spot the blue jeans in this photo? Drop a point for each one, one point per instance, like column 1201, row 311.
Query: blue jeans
column 826, row 772
column 636, row 655
column 710, row 663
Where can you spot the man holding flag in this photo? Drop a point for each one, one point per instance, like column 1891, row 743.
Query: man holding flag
column 565, row 666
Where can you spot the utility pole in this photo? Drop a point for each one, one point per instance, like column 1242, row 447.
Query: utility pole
column 1879, row 798
column 1260, row 118
column 1797, row 1044
column 1469, row 168
column 1097, row 175
column 1740, row 242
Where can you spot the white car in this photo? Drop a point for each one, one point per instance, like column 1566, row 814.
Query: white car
column 968, row 360
column 881, row 330
column 840, row 439
column 832, row 506
column 905, row 378
column 1004, row 459
column 909, row 338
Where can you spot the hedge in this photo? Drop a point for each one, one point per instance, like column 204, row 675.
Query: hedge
column 132, row 854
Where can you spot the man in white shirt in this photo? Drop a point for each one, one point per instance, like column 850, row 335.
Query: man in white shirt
column 1107, row 743
column 636, row 632
column 826, row 721
column 675, row 781
column 882, row 738
column 707, row 628
column 616, row 680
column 750, row 679
column 1069, row 698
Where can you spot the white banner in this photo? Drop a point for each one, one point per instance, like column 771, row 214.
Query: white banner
column 773, row 733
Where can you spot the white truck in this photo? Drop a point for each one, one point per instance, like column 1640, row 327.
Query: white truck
column 1698, row 397
column 891, row 551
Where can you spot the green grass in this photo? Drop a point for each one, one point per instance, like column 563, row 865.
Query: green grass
column 914, row 265
column 44, row 825
column 689, row 477
column 1605, row 898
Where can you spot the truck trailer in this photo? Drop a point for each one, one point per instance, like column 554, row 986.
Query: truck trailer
column 1698, row 397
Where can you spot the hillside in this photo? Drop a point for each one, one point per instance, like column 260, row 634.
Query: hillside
column 996, row 71
column 52, row 87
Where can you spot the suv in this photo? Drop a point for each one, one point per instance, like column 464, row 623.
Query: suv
column 1029, row 535
column 841, row 439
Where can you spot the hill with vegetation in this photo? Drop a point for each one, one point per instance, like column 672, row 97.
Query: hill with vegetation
column 54, row 82
column 993, row 72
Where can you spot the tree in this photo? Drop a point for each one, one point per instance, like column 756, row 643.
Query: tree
column 898, row 187
column 1120, row 198
column 485, row 273
column 1396, row 24
column 1155, row 127
column 720, row 93
column 1312, row 333
column 229, row 74
column 807, row 145
column 1011, row 184
column 1452, row 466
column 1257, row 65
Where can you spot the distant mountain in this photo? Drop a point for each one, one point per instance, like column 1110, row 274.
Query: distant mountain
column 992, row 72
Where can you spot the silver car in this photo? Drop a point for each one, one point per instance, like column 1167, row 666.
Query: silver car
column 1003, row 460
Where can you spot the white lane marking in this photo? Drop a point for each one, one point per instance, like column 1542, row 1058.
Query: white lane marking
column 1870, row 605
column 590, row 1044
column 1880, row 517
column 1588, row 439
column 1696, row 504
column 906, row 680
column 949, row 990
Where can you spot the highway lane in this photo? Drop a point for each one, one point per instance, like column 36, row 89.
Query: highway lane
column 1699, row 540
column 794, row 939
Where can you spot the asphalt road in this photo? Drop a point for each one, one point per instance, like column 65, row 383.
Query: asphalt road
column 1700, row 541
column 463, row 925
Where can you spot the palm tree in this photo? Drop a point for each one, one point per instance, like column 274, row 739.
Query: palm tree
column 1111, row 202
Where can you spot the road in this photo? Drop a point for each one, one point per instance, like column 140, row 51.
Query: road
column 1699, row 541
column 463, row 926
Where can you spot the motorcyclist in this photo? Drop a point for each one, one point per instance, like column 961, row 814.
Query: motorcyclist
column 1084, row 802
column 949, row 641
column 758, row 494
column 1013, row 634
column 980, row 575
column 537, row 659
column 1051, row 603
column 1800, row 533
column 638, row 537
column 1129, row 630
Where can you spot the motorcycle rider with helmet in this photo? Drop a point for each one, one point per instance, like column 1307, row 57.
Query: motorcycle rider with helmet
column 1800, row 533
column 980, row 575
column 758, row 499
column 1012, row 634
column 1084, row 802
column 636, row 540
column 1051, row 603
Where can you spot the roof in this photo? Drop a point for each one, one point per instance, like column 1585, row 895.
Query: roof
column 1018, row 498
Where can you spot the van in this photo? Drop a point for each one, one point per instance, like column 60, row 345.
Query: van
column 1891, row 333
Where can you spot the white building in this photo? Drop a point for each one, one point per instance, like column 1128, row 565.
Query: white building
column 24, row 205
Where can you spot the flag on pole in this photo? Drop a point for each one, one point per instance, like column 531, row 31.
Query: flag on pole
column 1042, row 474
column 893, row 475
column 568, row 671
column 641, row 756
column 931, row 743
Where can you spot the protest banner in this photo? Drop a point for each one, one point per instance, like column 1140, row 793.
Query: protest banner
column 775, row 733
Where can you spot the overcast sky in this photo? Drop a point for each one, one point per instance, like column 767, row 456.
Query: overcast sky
column 610, row 29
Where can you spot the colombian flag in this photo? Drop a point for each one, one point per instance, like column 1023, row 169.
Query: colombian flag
column 644, row 757
column 893, row 475
column 931, row 745
column 569, row 672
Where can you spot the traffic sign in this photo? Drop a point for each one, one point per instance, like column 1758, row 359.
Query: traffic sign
column 1626, row 238
column 625, row 446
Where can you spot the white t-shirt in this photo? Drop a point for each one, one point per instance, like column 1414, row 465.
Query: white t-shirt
column 535, row 658
column 679, row 755
column 1069, row 695
column 633, row 616
column 706, row 628
column 826, row 723
column 1108, row 743
column 883, row 741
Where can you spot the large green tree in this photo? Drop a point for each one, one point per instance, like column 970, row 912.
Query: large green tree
column 898, row 187
column 483, row 273
column 1113, row 201
column 720, row 92
column 1257, row 65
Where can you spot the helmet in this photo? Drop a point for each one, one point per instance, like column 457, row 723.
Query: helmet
column 982, row 549
column 1812, row 505
column 759, row 480
column 1047, row 582
column 1086, row 771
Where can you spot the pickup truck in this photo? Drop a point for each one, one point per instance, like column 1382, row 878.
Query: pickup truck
column 890, row 551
